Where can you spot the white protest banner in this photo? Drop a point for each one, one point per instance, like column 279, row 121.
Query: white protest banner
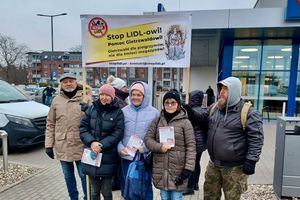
column 136, row 41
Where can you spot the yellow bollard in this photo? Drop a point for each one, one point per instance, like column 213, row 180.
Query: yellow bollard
column 88, row 191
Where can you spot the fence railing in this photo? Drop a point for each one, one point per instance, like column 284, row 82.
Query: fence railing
column 267, row 110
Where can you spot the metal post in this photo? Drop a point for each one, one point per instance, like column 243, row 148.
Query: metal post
column 283, row 109
column 36, row 81
column 3, row 135
column 52, row 50
column 52, row 46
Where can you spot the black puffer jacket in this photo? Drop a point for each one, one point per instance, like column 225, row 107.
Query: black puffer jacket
column 200, row 127
column 104, row 124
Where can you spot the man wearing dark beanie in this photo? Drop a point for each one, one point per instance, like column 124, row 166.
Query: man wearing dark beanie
column 173, row 174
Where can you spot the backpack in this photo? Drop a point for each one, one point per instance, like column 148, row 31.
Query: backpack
column 138, row 180
column 244, row 112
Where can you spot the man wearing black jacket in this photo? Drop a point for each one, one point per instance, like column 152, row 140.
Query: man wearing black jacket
column 233, row 149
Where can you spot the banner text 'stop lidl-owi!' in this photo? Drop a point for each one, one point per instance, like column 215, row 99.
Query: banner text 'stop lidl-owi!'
column 136, row 41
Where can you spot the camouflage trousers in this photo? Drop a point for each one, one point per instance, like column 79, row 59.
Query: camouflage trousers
column 231, row 179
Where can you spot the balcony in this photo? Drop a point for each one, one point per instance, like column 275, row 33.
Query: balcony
column 35, row 61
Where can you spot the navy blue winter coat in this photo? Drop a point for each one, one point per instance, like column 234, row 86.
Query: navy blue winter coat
column 104, row 124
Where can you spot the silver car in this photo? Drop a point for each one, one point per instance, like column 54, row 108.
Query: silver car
column 23, row 120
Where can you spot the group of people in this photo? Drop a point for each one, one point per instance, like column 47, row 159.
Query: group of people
column 107, row 125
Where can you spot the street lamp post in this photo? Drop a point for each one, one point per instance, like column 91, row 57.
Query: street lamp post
column 52, row 68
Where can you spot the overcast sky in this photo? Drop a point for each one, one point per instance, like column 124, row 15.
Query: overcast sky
column 18, row 17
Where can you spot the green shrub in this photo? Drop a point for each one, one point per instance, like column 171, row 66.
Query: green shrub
column 43, row 84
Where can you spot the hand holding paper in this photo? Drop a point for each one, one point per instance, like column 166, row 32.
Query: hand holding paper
column 91, row 158
column 165, row 148
column 95, row 146
column 134, row 144
column 124, row 152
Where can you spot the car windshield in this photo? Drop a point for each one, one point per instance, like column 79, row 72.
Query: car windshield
column 9, row 94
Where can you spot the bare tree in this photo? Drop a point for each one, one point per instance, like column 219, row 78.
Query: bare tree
column 11, row 54
column 76, row 48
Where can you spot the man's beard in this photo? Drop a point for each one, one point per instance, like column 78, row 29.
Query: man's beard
column 69, row 90
column 222, row 103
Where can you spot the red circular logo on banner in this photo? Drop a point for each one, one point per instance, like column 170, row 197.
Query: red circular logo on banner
column 97, row 27
column 298, row 1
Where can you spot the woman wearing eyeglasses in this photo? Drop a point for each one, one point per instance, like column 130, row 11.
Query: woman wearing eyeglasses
column 172, row 141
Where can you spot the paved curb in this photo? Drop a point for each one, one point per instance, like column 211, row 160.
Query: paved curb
column 40, row 170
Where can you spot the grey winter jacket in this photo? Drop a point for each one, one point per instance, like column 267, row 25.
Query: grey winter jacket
column 168, row 166
column 227, row 143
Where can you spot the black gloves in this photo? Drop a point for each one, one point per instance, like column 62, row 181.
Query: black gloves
column 185, row 174
column 50, row 153
column 83, row 106
column 249, row 167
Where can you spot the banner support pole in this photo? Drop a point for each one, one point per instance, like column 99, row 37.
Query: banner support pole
column 187, row 85
column 84, row 83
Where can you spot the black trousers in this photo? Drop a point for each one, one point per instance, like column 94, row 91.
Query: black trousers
column 101, row 185
column 194, row 179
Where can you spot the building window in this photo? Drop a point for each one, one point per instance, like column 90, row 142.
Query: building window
column 263, row 67
column 167, row 75
column 131, row 72
column 166, row 84
column 123, row 75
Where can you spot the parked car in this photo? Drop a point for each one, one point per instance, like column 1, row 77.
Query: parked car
column 95, row 93
column 39, row 95
column 23, row 120
column 28, row 92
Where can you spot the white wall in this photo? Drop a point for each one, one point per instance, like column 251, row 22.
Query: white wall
column 202, row 77
column 271, row 3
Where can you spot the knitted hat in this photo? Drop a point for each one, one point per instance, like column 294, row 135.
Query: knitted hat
column 139, row 87
column 107, row 89
column 116, row 82
column 172, row 95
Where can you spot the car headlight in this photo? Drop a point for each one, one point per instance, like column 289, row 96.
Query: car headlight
column 3, row 120
column 20, row 120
